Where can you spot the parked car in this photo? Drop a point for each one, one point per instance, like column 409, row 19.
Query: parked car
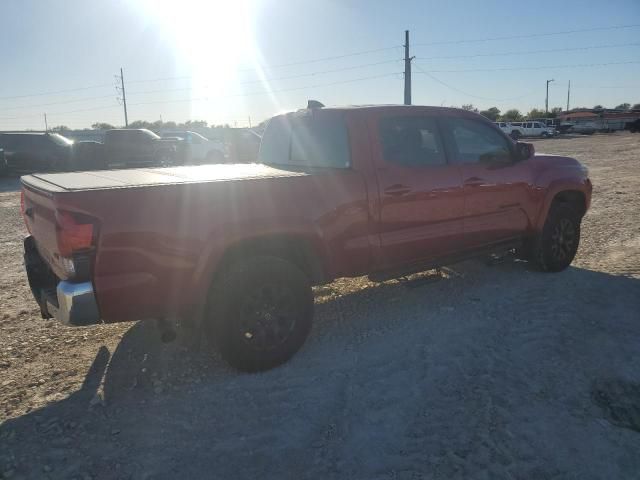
column 584, row 128
column 27, row 152
column 3, row 163
column 633, row 127
column 383, row 191
column 530, row 129
column 127, row 148
column 193, row 148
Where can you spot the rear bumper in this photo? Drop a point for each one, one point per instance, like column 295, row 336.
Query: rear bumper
column 71, row 303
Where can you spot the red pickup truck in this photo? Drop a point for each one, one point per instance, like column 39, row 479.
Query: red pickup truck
column 382, row 191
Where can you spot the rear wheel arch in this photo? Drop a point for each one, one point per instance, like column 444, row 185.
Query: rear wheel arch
column 300, row 250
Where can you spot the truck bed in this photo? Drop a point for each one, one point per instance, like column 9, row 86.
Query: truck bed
column 143, row 177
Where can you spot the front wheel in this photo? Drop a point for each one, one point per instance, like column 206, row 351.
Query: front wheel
column 516, row 135
column 260, row 312
column 556, row 246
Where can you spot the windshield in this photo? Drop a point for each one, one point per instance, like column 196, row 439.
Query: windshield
column 60, row 140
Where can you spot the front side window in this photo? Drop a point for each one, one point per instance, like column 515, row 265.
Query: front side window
column 475, row 142
column 411, row 141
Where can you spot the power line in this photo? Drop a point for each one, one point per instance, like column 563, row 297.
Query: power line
column 541, row 67
column 529, row 35
column 56, row 92
column 267, row 92
column 271, row 79
column 105, row 107
column 527, row 52
column 263, row 92
column 84, row 99
column 435, row 79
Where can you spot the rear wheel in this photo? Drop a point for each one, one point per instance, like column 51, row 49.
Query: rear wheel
column 260, row 312
column 516, row 135
column 556, row 246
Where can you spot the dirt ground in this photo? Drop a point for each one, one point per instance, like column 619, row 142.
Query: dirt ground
column 491, row 371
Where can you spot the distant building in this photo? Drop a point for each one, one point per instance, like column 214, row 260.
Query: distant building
column 606, row 119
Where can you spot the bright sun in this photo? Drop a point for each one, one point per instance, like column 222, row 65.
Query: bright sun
column 213, row 36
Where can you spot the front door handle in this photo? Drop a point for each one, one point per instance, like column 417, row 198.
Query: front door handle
column 474, row 182
column 397, row 190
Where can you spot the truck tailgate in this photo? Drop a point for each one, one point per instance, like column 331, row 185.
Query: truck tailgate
column 39, row 215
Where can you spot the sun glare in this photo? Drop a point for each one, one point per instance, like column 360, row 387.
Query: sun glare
column 213, row 37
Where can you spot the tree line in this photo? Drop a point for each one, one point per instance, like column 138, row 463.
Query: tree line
column 513, row 115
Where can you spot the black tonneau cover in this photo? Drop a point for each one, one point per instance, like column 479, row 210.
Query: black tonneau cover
column 139, row 177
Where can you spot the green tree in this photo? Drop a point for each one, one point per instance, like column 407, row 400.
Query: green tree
column 623, row 106
column 102, row 126
column 141, row 124
column 535, row 113
column 60, row 129
column 469, row 107
column 512, row 115
column 491, row 113
column 636, row 106
column 598, row 107
column 195, row 124
column 555, row 111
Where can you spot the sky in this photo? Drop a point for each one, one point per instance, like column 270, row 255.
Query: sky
column 241, row 61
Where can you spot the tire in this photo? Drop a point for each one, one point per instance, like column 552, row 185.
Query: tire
column 545, row 135
column 259, row 313
column 515, row 134
column 556, row 246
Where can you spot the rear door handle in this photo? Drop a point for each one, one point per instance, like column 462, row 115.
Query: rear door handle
column 397, row 190
column 474, row 182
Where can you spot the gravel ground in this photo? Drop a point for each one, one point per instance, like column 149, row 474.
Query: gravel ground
column 488, row 371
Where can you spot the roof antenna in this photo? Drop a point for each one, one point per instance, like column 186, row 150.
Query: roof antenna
column 314, row 104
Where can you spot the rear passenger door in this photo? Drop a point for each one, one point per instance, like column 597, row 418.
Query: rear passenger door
column 421, row 202
column 496, row 187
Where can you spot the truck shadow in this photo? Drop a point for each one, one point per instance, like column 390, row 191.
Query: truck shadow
column 145, row 405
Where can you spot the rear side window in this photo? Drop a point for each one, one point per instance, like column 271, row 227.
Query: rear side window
column 316, row 140
column 274, row 148
column 412, row 141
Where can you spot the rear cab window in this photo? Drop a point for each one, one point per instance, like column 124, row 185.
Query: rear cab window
column 306, row 139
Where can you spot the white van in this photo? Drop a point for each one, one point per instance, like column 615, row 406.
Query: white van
column 530, row 129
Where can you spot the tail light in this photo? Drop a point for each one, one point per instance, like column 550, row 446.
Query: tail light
column 23, row 211
column 74, row 232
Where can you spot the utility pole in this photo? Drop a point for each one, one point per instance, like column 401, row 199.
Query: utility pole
column 124, row 99
column 546, row 101
column 46, row 127
column 407, row 70
column 249, row 121
column 568, row 94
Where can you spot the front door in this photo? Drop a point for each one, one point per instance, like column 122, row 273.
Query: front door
column 496, row 187
column 421, row 203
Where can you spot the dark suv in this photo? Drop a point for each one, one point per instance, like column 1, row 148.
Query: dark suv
column 28, row 152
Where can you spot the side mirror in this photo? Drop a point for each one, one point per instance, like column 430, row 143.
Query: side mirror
column 524, row 150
